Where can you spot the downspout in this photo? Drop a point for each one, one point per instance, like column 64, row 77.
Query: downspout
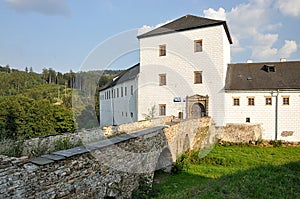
column 276, row 115
column 276, row 112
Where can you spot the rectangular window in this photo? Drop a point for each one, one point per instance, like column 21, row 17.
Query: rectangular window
column 248, row 119
column 131, row 90
column 162, row 50
column 162, row 79
column 125, row 91
column 197, row 77
column 117, row 92
column 251, row 101
column 108, row 94
column 268, row 100
column 198, row 46
column 286, row 100
column 236, row 101
column 162, row 109
column 121, row 91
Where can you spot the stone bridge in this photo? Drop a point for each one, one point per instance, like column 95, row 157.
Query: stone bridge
column 107, row 168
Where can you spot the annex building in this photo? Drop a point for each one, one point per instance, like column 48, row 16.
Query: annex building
column 185, row 71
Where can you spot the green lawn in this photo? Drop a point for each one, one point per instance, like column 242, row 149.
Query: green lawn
column 235, row 172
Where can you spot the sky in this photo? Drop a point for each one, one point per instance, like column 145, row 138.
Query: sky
column 101, row 34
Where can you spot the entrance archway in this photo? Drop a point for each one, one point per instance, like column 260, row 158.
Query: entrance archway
column 197, row 106
column 198, row 110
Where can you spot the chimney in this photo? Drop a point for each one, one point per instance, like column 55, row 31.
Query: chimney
column 249, row 61
column 282, row 59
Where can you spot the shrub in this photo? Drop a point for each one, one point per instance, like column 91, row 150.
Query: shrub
column 66, row 143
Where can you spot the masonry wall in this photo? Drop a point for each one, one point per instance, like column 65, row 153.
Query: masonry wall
column 107, row 168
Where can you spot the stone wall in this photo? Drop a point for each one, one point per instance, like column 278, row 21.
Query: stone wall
column 240, row 133
column 135, row 126
column 189, row 134
column 107, row 168
column 47, row 143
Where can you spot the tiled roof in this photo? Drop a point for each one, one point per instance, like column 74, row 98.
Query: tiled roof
column 263, row 76
column 126, row 75
column 186, row 23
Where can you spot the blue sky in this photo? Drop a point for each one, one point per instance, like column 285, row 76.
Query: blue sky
column 82, row 35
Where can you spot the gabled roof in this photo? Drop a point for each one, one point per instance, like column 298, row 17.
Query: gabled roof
column 263, row 76
column 124, row 76
column 187, row 22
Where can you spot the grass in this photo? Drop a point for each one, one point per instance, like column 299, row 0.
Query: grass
column 235, row 172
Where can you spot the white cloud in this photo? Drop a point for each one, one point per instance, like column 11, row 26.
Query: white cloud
column 289, row 7
column 147, row 28
column 215, row 14
column 250, row 25
column 288, row 48
column 46, row 7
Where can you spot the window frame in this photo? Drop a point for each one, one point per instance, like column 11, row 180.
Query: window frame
column 196, row 43
column 251, row 101
column 162, row 50
column 195, row 77
column 161, row 78
column 268, row 103
column 284, row 102
column 234, row 100
column 162, row 109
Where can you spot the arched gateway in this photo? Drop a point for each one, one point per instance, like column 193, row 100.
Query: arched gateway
column 197, row 106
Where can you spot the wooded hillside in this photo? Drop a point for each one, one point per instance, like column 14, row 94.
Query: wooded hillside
column 33, row 104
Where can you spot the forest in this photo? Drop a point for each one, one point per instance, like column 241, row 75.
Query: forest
column 33, row 104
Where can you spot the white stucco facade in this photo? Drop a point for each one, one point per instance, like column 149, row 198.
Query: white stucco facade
column 118, row 103
column 265, row 115
column 179, row 66
column 216, row 91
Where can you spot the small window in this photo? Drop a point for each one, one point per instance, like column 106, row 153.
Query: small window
column 268, row 100
column 117, row 92
column 162, row 79
column 286, row 100
column 251, row 101
column 126, row 114
column 125, row 91
column 131, row 114
column 198, row 46
column 131, row 90
column 108, row 94
column 162, row 109
column 236, row 101
column 247, row 119
column 198, row 77
column 162, row 50
column 121, row 91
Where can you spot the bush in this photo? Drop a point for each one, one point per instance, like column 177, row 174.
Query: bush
column 12, row 148
column 66, row 143
column 276, row 143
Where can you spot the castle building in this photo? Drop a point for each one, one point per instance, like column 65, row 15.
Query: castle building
column 185, row 71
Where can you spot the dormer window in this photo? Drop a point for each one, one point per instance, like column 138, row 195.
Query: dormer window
column 270, row 68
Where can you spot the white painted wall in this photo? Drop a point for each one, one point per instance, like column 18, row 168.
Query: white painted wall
column 288, row 115
column 179, row 65
column 119, row 108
